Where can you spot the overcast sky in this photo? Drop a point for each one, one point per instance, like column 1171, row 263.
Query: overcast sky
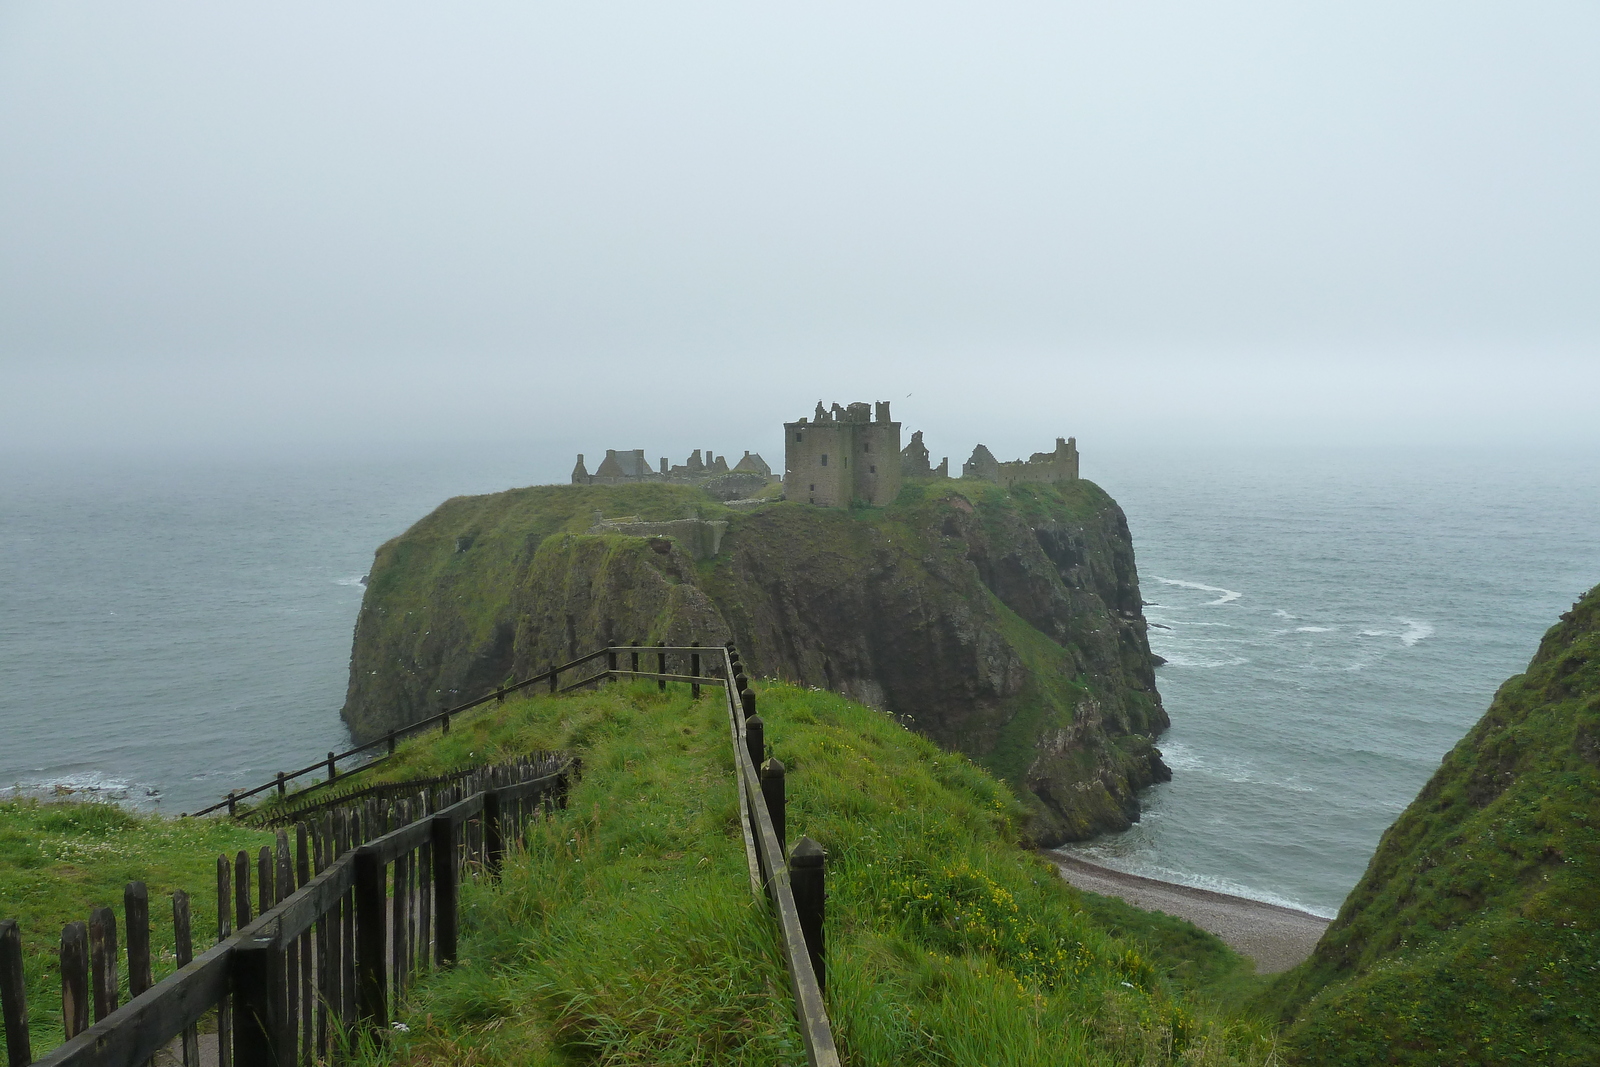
column 609, row 224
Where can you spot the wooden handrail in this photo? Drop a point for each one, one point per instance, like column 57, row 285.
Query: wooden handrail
column 498, row 693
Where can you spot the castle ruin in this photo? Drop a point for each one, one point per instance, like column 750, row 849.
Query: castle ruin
column 843, row 456
column 621, row 467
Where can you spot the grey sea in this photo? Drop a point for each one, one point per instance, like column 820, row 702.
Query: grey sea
column 1333, row 622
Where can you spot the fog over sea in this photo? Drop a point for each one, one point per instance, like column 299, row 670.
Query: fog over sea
column 1333, row 623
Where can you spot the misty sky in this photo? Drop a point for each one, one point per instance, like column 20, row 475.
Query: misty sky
column 606, row 224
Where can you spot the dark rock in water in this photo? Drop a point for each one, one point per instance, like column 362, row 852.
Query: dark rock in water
column 1159, row 661
column 1004, row 624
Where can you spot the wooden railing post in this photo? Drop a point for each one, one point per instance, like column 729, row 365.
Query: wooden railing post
column 755, row 739
column 136, row 913
column 611, row 659
column 635, row 666
column 442, row 835
column 772, row 793
column 444, row 722
column 371, row 942
column 258, row 1002
column 281, row 789
column 747, row 701
column 390, row 739
column 694, row 672
column 333, row 767
column 74, row 979
column 103, row 960
column 807, row 883
column 553, row 674
column 14, row 996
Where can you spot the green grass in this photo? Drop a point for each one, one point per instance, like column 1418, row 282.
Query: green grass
column 626, row 932
column 60, row 860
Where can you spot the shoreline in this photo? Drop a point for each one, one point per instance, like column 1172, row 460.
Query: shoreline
column 1275, row 937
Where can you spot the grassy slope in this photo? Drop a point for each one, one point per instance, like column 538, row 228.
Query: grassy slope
column 626, row 932
column 59, row 861
column 1474, row 937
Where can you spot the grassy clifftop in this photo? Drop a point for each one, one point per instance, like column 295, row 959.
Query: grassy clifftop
column 1005, row 624
column 626, row 931
column 1474, row 936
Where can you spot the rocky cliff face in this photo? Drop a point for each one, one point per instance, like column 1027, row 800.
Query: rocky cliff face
column 1005, row 624
column 1473, row 936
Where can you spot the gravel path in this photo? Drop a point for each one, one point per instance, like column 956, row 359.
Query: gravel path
column 1276, row 938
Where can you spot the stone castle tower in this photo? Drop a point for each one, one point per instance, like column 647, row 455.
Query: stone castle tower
column 843, row 456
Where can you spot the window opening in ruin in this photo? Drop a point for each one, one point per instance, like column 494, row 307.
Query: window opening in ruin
column 867, row 447
column 824, row 459
column 798, row 437
column 813, row 489
column 872, row 469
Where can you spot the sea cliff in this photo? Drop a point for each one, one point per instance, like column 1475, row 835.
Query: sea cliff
column 1473, row 936
column 1002, row 623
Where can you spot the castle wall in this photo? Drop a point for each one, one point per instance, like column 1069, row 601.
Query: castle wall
column 842, row 457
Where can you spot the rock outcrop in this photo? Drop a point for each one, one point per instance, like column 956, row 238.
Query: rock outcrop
column 1005, row 624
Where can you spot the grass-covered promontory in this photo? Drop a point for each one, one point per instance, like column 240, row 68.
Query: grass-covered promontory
column 1002, row 623
column 626, row 931
column 1474, row 937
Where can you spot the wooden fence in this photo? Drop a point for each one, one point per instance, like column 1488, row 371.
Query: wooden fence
column 339, row 927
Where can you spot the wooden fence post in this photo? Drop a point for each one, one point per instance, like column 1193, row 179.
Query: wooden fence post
column 772, row 793
column 281, row 789
column 74, row 979
column 553, row 674
column 806, row 882
column 740, row 682
column 183, row 949
column 257, row 1002
column 241, row 890
column 661, row 668
column 136, row 913
column 103, row 960
column 635, row 667
column 694, row 672
column 390, row 739
column 371, row 942
column 442, row 835
column 755, row 739
column 747, row 701
column 333, row 767
column 225, row 906
column 14, row 996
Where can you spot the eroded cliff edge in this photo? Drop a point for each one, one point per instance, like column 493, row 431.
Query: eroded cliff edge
column 1005, row 624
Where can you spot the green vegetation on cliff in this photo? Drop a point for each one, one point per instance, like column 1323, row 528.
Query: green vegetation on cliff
column 1474, row 937
column 1004, row 624
column 626, row 931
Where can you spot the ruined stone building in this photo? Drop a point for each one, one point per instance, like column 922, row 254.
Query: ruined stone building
column 623, row 466
column 843, row 456
column 1045, row 468
column 914, row 461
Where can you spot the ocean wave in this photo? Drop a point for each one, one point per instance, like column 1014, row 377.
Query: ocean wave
column 1416, row 630
column 1315, row 629
column 84, row 785
column 1176, row 658
column 1228, row 595
column 1280, row 613
column 359, row 581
